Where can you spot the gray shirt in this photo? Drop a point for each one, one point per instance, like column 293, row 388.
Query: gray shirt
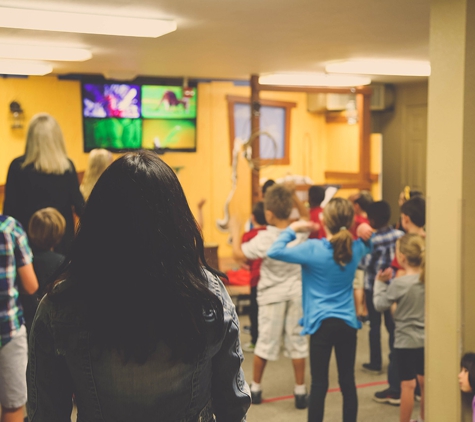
column 408, row 293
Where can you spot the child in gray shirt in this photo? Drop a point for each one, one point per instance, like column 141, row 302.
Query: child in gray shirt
column 408, row 293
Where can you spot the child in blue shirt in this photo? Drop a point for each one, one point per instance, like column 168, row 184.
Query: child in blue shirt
column 328, row 270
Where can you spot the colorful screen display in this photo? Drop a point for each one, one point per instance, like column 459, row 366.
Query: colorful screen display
column 168, row 102
column 111, row 100
column 124, row 117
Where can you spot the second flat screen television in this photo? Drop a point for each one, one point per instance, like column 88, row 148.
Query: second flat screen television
column 125, row 117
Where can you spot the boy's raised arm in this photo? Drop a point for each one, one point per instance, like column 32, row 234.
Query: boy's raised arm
column 235, row 228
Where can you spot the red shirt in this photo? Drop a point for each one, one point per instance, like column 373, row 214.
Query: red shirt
column 359, row 219
column 315, row 214
column 255, row 264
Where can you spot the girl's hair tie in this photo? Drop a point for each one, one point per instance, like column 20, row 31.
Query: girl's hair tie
column 342, row 228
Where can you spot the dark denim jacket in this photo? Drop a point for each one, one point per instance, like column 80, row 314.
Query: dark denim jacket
column 107, row 390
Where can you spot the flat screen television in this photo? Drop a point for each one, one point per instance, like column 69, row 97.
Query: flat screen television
column 126, row 117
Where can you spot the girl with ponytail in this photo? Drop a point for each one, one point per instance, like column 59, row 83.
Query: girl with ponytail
column 328, row 270
column 408, row 292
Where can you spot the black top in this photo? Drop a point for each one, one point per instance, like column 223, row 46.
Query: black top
column 45, row 264
column 28, row 191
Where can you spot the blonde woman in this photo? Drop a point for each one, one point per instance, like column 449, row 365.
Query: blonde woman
column 99, row 160
column 43, row 177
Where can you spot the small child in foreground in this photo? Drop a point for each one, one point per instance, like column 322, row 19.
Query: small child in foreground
column 467, row 377
column 408, row 292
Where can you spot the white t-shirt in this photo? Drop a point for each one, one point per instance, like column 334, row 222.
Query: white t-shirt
column 279, row 281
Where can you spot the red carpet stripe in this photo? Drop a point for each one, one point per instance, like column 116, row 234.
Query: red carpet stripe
column 331, row 390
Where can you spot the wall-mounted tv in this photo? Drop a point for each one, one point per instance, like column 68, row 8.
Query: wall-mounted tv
column 129, row 116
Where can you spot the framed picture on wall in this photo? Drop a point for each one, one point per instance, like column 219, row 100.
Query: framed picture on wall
column 274, row 119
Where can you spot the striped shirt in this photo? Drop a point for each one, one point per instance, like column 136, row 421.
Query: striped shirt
column 384, row 249
column 14, row 253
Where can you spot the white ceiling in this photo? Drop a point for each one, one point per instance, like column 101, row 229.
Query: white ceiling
column 231, row 39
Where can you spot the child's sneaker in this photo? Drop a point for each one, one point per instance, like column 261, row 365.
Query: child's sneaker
column 256, row 397
column 249, row 347
column 301, row 401
column 387, row 396
column 372, row 369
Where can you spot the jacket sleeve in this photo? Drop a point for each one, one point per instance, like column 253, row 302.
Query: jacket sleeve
column 50, row 387
column 298, row 254
column 230, row 392
column 386, row 294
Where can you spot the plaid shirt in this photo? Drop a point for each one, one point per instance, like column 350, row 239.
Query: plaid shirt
column 384, row 247
column 14, row 253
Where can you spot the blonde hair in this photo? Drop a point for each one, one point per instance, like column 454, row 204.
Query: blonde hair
column 338, row 217
column 46, row 228
column 278, row 199
column 45, row 147
column 99, row 160
column 412, row 246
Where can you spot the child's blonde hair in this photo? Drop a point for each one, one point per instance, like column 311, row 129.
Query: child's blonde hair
column 412, row 246
column 278, row 199
column 99, row 160
column 338, row 217
column 46, row 228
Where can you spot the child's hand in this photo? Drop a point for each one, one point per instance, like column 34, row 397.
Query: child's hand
column 385, row 276
column 234, row 223
column 304, row 226
column 364, row 231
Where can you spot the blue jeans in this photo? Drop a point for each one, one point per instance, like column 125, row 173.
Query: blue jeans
column 375, row 318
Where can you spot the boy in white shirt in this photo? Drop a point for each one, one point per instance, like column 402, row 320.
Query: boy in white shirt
column 279, row 293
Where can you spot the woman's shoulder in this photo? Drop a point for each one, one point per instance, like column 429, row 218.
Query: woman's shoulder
column 216, row 286
column 17, row 162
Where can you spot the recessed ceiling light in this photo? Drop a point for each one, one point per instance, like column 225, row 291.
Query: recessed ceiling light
column 84, row 23
column 39, row 52
column 24, row 67
column 381, row 67
column 312, row 79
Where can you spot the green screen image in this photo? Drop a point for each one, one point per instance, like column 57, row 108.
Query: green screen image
column 112, row 133
column 172, row 134
column 168, row 102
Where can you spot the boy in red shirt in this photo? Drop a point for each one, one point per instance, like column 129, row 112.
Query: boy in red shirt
column 316, row 195
column 258, row 223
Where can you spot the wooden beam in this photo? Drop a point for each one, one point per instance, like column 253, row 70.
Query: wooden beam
column 255, row 127
column 364, row 117
column 317, row 90
column 349, row 176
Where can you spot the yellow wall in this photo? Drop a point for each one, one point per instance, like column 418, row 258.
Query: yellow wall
column 315, row 146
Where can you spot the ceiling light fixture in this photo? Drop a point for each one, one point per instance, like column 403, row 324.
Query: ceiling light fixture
column 313, row 79
column 42, row 52
column 23, row 67
column 381, row 67
column 84, row 23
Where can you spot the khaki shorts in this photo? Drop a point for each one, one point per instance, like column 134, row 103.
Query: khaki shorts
column 279, row 324
column 13, row 361
column 358, row 282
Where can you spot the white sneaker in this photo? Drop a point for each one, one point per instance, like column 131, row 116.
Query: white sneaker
column 249, row 347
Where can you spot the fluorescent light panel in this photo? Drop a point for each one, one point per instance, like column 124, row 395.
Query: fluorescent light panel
column 23, row 67
column 38, row 52
column 381, row 67
column 84, row 23
column 313, row 79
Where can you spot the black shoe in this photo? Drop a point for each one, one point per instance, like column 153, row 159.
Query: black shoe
column 387, row 396
column 372, row 369
column 256, row 397
column 301, row 401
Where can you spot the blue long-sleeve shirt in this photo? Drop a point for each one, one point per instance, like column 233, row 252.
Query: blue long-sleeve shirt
column 327, row 287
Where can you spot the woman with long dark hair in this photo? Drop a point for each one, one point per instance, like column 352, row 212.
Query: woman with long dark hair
column 140, row 328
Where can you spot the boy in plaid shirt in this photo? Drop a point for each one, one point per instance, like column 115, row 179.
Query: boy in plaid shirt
column 16, row 270
column 384, row 249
